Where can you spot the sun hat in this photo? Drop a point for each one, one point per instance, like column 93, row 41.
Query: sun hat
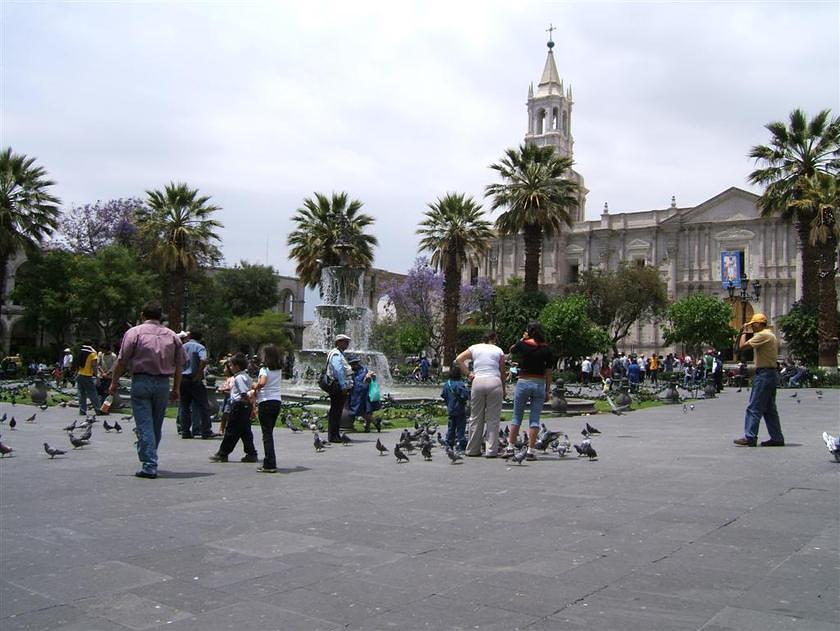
column 758, row 318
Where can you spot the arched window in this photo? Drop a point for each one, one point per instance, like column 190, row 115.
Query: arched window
column 555, row 119
column 287, row 302
column 540, row 121
column 565, row 122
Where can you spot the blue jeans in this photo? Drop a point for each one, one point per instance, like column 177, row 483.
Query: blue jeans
column 456, row 431
column 149, row 396
column 87, row 390
column 195, row 407
column 529, row 391
column 763, row 403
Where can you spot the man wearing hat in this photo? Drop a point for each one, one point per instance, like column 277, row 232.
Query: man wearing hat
column 339, row 370
column 763, row 394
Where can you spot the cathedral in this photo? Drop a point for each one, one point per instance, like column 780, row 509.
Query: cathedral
column 696, row 249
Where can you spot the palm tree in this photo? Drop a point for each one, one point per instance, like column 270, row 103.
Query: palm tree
column 321, row 224
column 820, row 198
column 796, row 152
column 28, row 213
column 177, row 225
column 454, row 232
column 538, row 197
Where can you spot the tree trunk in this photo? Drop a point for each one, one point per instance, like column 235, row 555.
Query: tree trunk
column 451, row 295
column 810, row 262
column 532, row 236
column 827, row 320
column 177, row 304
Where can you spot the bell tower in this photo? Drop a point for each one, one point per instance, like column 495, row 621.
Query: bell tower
column 550, row 118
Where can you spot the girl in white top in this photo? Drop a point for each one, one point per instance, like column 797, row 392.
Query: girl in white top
column 487, row 394
column 267, row 394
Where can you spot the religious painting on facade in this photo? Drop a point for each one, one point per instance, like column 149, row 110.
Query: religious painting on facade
column 730, row 269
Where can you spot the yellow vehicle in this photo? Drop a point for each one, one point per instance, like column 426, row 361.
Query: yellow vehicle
column 11, row 367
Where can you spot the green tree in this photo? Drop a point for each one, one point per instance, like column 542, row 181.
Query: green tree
column 178, row 230
column 28, row 212
column 699, row 320
column 796, row 152
column 799, row 327
column 248, row 289
column 109, row 289
column 538, row 197
column 570, row 330
column 820, row 197
column 323, row 223
column 514, row 308
column 43, row 287
column 617, row 299
column 456, row 233
column 266, row 328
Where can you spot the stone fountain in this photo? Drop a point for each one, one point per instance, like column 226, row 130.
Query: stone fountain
column 343, row 309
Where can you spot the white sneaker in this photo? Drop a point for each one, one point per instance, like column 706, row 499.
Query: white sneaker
column 830, row 442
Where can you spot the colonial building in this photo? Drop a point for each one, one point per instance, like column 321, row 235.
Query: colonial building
column 695, row 248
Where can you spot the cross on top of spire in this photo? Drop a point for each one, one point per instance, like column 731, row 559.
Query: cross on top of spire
column 551, row 28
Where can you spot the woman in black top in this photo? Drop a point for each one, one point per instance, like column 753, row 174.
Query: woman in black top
column 533, row 386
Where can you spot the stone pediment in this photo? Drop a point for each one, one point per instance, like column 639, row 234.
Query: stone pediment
column 638, row 245
column 732, row 205
column 574, row 249
column 734, row 234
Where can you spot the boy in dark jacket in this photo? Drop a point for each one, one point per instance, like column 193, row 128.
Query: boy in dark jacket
column 456, row 395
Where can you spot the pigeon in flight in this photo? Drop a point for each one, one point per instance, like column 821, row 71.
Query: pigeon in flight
column 398, row 453
column 382, row 449
column 52, row 452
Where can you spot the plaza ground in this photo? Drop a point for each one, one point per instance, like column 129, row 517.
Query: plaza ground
column 672, row 528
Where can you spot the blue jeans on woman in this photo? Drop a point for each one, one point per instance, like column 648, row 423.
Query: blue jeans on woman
column 87, row 390
column 268, row 411
column 149, row 396
column 763, row 403
column 531, row 392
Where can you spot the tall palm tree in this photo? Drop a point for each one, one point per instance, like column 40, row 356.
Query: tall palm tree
column 455, row 232
column 796, row 152
column 539, row 198
column 820, row 198
column 321, row 224
column 28, row 213
column 177, row 224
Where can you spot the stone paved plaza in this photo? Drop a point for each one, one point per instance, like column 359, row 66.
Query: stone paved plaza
column 672, row 528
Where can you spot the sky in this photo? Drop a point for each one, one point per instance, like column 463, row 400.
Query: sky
column 261, row 104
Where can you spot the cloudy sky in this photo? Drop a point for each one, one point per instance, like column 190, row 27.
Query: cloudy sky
column 259, row 104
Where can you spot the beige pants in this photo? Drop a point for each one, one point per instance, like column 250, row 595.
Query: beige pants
column 486, row 410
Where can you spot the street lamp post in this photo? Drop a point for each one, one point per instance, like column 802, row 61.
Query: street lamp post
column 744, row 295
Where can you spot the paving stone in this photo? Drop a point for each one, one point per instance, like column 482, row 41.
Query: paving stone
column 132, row 611
column 78, row 582
column 740, row 619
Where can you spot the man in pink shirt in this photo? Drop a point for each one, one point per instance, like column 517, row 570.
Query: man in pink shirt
column 153, row 354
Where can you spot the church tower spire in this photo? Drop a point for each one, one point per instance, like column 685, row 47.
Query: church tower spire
column 550, row 116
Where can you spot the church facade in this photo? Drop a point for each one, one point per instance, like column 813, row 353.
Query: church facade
column 696, row 249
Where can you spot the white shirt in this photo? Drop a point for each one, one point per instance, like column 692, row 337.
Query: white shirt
column 486, row 358
column 586, row 366
column 271, row 390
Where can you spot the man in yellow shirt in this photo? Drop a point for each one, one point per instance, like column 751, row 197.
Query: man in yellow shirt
column 86, row 358
column 763, row 394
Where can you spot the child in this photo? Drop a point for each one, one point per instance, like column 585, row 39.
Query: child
column 227, row 384
column 239, row 423
column 456, row 396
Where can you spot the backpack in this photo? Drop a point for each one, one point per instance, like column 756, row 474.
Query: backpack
column 327, row 382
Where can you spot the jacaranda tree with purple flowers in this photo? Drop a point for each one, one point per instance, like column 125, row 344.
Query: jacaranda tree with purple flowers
column 88, row 228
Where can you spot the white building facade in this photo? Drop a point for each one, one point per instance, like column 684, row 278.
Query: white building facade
column 694, row 248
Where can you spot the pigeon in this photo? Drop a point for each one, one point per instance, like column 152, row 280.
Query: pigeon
column 685, row 409
column 691, row 407
column 426, row 450
column 794, row 395
column 440, row 440
column 3, row 418
column 43, row 406
column 588, row 450
column 63, row 404
column 591, row 429
column 106, row 426
column 346, row 440
column 13, row 423
column 453, row 457
column 290, row 425
column 78, row 442
column 52, row 452
column 520, row 455
column 5, row 450
column 87, row 434
column 563, row 446
column 70, row 427
column 382, row 449
column 319, row 444
column 126, row 418
column 117, row 427
column 398, row 453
